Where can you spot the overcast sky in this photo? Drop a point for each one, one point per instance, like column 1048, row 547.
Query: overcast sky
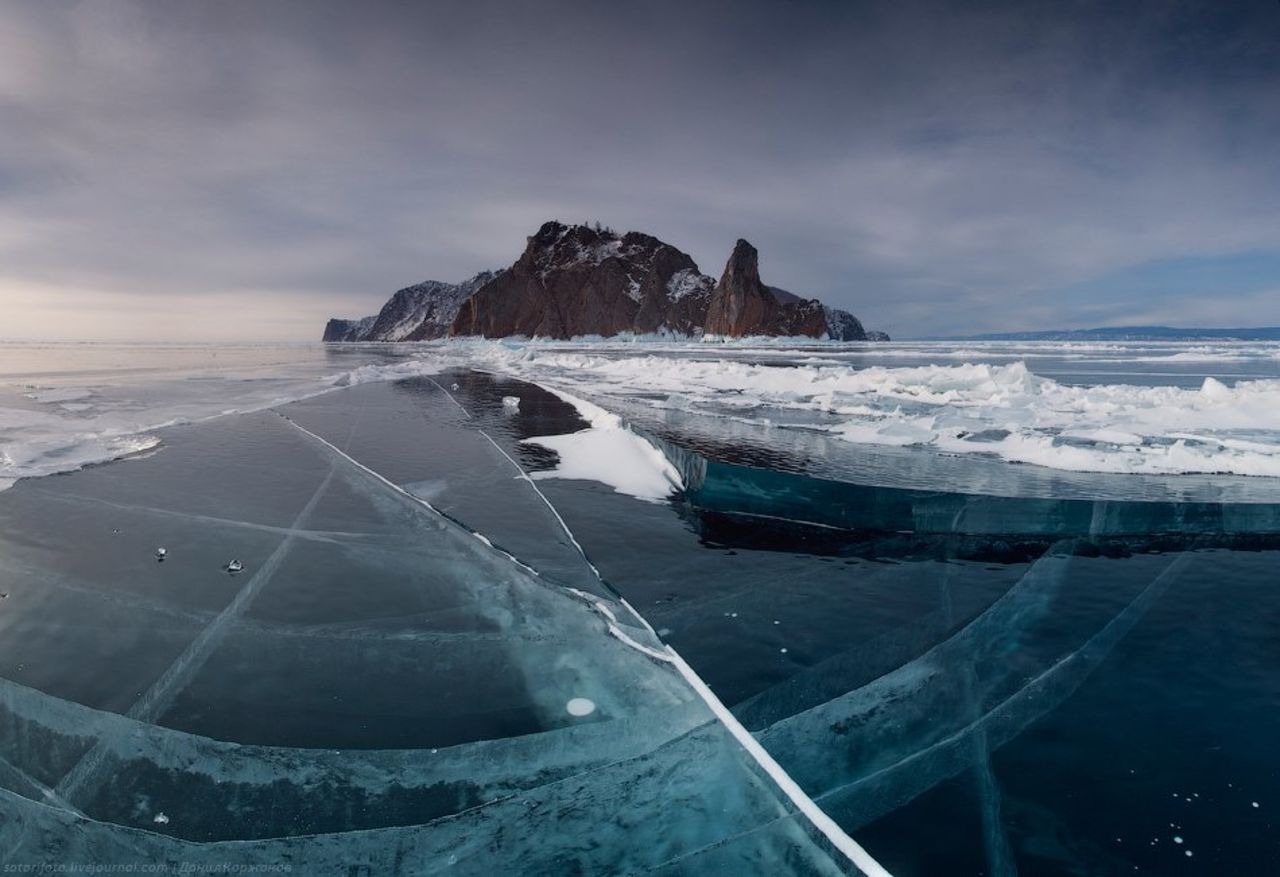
column 229, row 169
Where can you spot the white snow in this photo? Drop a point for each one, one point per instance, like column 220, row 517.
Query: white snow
column 686, row 282
column 608, row 452
column 1001, row 410
column 60, row 394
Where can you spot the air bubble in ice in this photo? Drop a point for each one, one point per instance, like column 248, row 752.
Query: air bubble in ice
column 580, row 706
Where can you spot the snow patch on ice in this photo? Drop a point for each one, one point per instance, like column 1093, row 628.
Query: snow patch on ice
column 609, row 452
column 369, row 374
column 60, row 394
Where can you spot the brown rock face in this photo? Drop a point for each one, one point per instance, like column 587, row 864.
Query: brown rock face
column 582, row 280
column 742, row 305
column 578, row 280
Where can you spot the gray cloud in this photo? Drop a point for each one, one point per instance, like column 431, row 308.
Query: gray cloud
column 244, row 168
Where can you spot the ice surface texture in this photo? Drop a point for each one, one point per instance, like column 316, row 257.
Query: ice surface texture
column 256, row 713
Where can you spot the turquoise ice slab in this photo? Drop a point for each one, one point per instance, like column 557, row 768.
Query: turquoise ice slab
column 973, row 683
column 379, row 689
column 418, row 435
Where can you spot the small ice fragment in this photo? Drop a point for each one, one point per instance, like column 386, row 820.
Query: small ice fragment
column 1255, row 803
column 511, row 403
column 775, row 621
column 580, row 706
column 234, row 567
column 1177, row 838
column 1189, row 854
column 161, row 819
column 783, row 651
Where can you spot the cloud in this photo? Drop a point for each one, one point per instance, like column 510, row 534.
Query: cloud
column 936, row 167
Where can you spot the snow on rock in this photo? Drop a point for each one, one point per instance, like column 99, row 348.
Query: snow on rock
column 416, row 313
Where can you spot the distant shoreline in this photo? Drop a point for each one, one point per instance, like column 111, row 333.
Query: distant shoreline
column 1123, row 333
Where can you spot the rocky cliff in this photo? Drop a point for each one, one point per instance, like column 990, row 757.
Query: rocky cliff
column 578, row 280
column 415, row 313
column 582, row 280
column 348, row 330
column 741, row 304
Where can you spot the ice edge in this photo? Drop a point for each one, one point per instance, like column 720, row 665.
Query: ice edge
column 824, row 824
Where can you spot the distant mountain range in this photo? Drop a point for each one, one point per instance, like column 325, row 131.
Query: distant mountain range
column 575, row 280
column 1129, row 333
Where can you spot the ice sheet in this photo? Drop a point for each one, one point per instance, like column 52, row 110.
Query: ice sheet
column 63, row 407
column 361, row 647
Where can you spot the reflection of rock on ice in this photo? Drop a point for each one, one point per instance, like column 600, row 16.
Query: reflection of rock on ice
column 511, row 404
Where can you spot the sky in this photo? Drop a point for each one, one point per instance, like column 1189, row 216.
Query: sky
column 244, row 170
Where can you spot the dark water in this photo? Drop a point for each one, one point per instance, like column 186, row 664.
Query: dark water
column 968, row 683
column 1131, row 666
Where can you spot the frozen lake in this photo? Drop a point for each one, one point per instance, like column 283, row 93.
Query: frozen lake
column 623, row 607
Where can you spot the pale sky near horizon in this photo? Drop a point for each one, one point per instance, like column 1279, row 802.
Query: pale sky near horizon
column 237, row 169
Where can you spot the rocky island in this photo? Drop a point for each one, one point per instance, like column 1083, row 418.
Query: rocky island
column 575, row 280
